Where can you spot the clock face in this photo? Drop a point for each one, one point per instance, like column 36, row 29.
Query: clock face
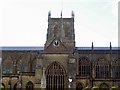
column 56, row 43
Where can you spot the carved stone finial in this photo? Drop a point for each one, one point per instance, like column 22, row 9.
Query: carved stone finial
column 43, row 80
column 72, row 14
column 92, row 46
column 61, row 14
column 110, row 46
column 49, row 14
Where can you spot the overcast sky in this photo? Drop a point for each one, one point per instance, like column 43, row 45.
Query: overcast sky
column 24, row 22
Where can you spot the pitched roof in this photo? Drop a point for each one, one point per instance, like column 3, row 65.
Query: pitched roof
column 22, row 48
column 42, row 48
column 97, row 48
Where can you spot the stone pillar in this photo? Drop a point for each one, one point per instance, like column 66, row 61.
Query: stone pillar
column 93, row 65
column 43, row 80
column 93, row 71
column 38, row 73
column 72, row 73
column 30, row 66
column 14, row 68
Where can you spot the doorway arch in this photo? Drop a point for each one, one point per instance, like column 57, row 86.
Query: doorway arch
column 55, row 77
column 79, row 86
column 104, row 86
column 15, row 86
column 29, row 86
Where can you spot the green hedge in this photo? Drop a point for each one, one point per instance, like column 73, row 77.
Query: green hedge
column 95, row 88
column 86, row 88
column 2, row 87
column 113, row 88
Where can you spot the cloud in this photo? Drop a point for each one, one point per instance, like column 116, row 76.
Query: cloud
column 112, row 6
column 115, row 7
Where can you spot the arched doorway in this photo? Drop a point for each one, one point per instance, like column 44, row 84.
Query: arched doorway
column 55, row 77
column 118, row 87
column 15, row 87
column 29, row 86
column 79, row 86
column 104, row 86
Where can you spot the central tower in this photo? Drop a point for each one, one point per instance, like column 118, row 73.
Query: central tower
column 58, row 57
column 60, row 34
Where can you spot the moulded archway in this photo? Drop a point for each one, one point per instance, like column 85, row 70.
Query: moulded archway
column 15, row 86
column 29, row 86
column 104, row 86
column 79, row 86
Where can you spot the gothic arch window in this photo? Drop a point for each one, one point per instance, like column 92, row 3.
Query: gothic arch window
column 67, row 30
column 84, row 67
column 116, row 68
column 7, row 66
column 55, row 77
column 33, row 65
column 79, row 86
column 29, row 86
column 22, row 65
column 56, row 30
column 102, row 68
column 104, row 86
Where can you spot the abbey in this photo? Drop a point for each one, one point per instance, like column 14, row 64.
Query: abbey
column 60, row 65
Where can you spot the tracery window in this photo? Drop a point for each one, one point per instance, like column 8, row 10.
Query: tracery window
column 33, row 65
column 84, row 67
column 7, row 66
column 116, row 69
column 102, row 68
column 55, row 77
column 22, row 66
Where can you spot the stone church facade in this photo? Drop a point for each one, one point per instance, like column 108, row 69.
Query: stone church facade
column 60, row 64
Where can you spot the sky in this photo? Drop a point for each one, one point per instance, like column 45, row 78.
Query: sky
column 25, row 22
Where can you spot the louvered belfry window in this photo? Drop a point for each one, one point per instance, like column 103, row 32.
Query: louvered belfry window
column 55, row 77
